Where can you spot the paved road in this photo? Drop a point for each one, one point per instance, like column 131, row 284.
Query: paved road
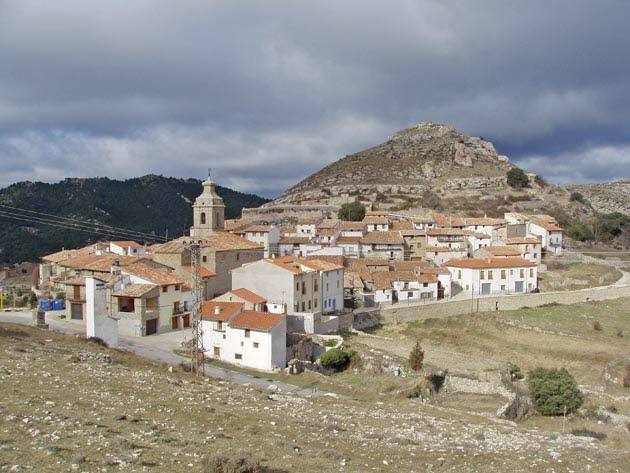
column 160, row 348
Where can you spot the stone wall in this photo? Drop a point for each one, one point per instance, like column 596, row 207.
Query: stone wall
column 508, row 302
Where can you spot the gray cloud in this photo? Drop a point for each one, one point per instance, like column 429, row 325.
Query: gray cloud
column 267, row 92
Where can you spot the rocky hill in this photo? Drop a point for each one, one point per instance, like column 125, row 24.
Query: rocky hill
column 606, row 197
column 455, row 168
column 152, row 204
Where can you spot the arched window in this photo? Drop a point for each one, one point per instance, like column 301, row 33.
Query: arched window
column 203, row 218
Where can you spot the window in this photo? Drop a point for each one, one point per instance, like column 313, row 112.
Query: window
column 219, row 326
column 238, row 256
column 325, row 303
column 489, row 274
column 410, row 294
column 217, row 351
column 247, row 333
column 204, row 259
column 303, row 307
column 503, row 287
column 203, row 218
column 316, row 303
column 522, row 273
column 337, row 283
column 297, row 286
column 482, row 275
column 531, row 272
column 177, row 287
column 425, row 284
column 459, row 273
column 309, row 305
column 164, row 288
column 238, row 356
column 315, row 286
column 326, row 287
column 503, row 274
column 256, row 344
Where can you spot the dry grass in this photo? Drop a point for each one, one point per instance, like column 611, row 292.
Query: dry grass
column 568, row 277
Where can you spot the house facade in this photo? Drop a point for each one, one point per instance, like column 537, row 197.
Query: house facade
column 486, row 276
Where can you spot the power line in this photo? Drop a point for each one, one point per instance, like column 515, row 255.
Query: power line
column 95, row 228
column 76, row 221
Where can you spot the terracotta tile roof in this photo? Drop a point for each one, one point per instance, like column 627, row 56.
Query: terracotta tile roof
column 248, row 295
column 328, row 223
column 348, row 240
column 258, row 321
column 134, row 290
column 352, row 280
column 80, row 281
column 100, row 263
column 482, row 236
column 401, row 225
column 203, row 271
column 75, row 253
column 448, row 221
column 483, row 263
column 309, row 221
column 234, row 224
column 334, row 259
column 484, row 221
column 254, row 228
column 375, row 220
column 500, row 251
column 549, row 225
column 226, row 310
column 127, row 244
column 294, row 240
column 155, row 276
column 448, row 232
column 321, row 265
column 383, row 238
column 221, row 241
column 326, row 231
column 413, row 232
column 411, row 265
column 523, row 241
column 351, row 226
column 355, row 262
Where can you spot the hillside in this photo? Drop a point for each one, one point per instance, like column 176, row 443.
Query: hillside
column 148, row 204
column 428, row 166
column 123, row 412
column 606, row 197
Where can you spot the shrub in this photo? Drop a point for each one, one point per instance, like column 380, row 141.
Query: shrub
column 331, row 342
column 626, row 381
column 232, row 464
column 580, row 232
column 517, row 178
column 515, row 372
column 612, row 225
column 577, row 197
column 589, row 433
column 335, row 359
column 431, row 200
column 353, row 211
column 597, row 326
column 552, row 390
column 416, row 357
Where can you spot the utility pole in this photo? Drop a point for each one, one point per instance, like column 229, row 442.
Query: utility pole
column 197, row 351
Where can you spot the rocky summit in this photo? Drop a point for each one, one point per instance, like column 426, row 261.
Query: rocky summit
column 426, row 157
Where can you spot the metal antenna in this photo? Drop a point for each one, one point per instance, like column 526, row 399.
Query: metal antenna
column 198, row 351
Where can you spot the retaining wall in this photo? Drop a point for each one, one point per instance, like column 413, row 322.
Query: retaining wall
column 506, row 302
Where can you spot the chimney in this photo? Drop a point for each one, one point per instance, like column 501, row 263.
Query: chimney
column 217, row 310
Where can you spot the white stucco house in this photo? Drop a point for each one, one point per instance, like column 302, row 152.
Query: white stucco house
column 485, row 276
column 267, row 236
column 244, row 337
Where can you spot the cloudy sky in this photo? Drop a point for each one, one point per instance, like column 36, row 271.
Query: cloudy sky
column 266, row 92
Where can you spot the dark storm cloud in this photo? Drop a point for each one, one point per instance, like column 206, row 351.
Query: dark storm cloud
column 267, row 92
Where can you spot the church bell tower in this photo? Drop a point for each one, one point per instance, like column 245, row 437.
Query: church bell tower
column 208, row 211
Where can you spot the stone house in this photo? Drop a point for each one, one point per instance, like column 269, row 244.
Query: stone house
column 383, row 244
column 249, row 299
column 267, row 236
column 376, row 223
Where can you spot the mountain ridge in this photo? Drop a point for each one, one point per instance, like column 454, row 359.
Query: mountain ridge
column 151, row 204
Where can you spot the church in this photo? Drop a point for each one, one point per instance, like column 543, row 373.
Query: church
column 221, row 251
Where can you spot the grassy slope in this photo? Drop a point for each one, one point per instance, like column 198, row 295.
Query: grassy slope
column 56, row 408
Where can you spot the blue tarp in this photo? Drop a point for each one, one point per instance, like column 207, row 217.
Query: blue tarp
column 52, row 304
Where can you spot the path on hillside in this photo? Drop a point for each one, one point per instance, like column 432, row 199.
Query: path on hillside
column 160, row 348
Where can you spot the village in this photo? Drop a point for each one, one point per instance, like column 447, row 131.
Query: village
column 260, row 283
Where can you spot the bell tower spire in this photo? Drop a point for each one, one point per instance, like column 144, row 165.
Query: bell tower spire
column 208, row 210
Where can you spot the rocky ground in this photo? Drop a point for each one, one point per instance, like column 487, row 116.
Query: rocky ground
column 68, row 404
column 607, row 197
